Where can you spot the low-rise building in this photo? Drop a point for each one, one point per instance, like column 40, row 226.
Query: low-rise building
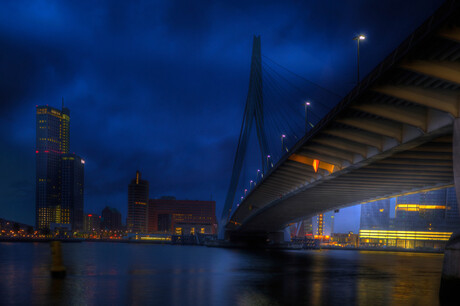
column 182, row 217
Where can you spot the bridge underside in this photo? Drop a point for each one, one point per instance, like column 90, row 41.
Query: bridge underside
column 421, row 167
column 391, row 135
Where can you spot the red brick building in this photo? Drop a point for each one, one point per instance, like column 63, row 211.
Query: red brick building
column 182, row 216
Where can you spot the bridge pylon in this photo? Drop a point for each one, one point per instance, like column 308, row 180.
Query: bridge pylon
column 253, row 114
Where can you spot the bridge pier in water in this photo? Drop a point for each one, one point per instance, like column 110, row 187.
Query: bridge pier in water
column 450, row 281
column 256, row 239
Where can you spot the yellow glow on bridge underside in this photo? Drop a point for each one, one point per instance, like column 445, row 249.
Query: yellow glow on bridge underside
column 315, row 163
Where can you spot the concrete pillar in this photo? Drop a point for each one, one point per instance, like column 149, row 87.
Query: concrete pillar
column 450, row 281
column 287, row 234
column 276, row 237
column 456, row 157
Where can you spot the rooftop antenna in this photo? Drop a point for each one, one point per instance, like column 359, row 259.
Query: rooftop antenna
column 62, row 102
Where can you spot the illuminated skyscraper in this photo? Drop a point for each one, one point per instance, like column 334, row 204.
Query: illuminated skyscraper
column 72, row 184
column 59, row 179
column 138, row 198
column 318, row 225
column 421, row 220
column 323, row 224
column 432, row 210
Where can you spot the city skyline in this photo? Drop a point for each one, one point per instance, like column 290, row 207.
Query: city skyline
column 116, row 145
column 230, row 152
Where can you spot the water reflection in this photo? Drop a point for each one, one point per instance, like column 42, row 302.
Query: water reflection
column 118, row 274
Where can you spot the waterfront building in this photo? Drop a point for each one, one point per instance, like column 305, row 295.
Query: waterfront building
column 375, row 215
column 138, row 198
column 345, row 240
column 59, row 195
column 452, row 212
column 318, row 225
column 91, row 223
column 72, row 172
column 111, row 219
column 435, row 210
column 328, row 223
column 7, row 227
column 182, row 216
column 422, row 220
column 323, row 225
column 307, row 227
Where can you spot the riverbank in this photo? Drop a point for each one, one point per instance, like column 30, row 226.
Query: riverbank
column 385, row 250
column 219, row 244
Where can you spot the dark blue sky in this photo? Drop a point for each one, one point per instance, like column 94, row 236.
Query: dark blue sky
column 160, row 86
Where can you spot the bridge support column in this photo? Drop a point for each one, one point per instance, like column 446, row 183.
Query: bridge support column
column 450, row 281
column 276, row 237
column 287, row 234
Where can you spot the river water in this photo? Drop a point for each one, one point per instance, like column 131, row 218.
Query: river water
column 147, row 274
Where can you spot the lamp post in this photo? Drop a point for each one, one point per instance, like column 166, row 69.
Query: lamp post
column 358, row 38
column 282, row 144
column 258, row 173
column 307, row 104
column 268, row 161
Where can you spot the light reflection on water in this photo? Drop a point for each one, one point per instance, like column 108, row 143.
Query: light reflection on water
column 119, row 274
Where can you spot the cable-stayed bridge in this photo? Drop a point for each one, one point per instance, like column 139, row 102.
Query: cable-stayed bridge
column 397, row 131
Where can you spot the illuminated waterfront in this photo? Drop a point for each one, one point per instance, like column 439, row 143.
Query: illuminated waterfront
column 120, row 273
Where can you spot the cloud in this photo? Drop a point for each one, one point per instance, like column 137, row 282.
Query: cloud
column 161, row 86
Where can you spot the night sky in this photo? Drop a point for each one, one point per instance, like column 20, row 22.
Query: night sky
column 160, row 86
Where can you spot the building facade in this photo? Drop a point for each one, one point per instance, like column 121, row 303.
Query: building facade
column 58, row 200
column 422, row 220
column 375, row 215
column 111, row 219
column 72, row 176
column 138, row 198
column 182, row 217
column 91, row 223
column 318, row 225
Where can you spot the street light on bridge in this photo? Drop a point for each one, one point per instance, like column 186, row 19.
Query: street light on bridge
column 358, row 38
column 258, row 172
column 307, row 104
column 268, row 162
column 282, row 145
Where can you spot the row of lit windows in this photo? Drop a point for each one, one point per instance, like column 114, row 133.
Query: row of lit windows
column 49, row 139
column 417, row 207
column 413, row 235
column 179, row 231
column 52, row 112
